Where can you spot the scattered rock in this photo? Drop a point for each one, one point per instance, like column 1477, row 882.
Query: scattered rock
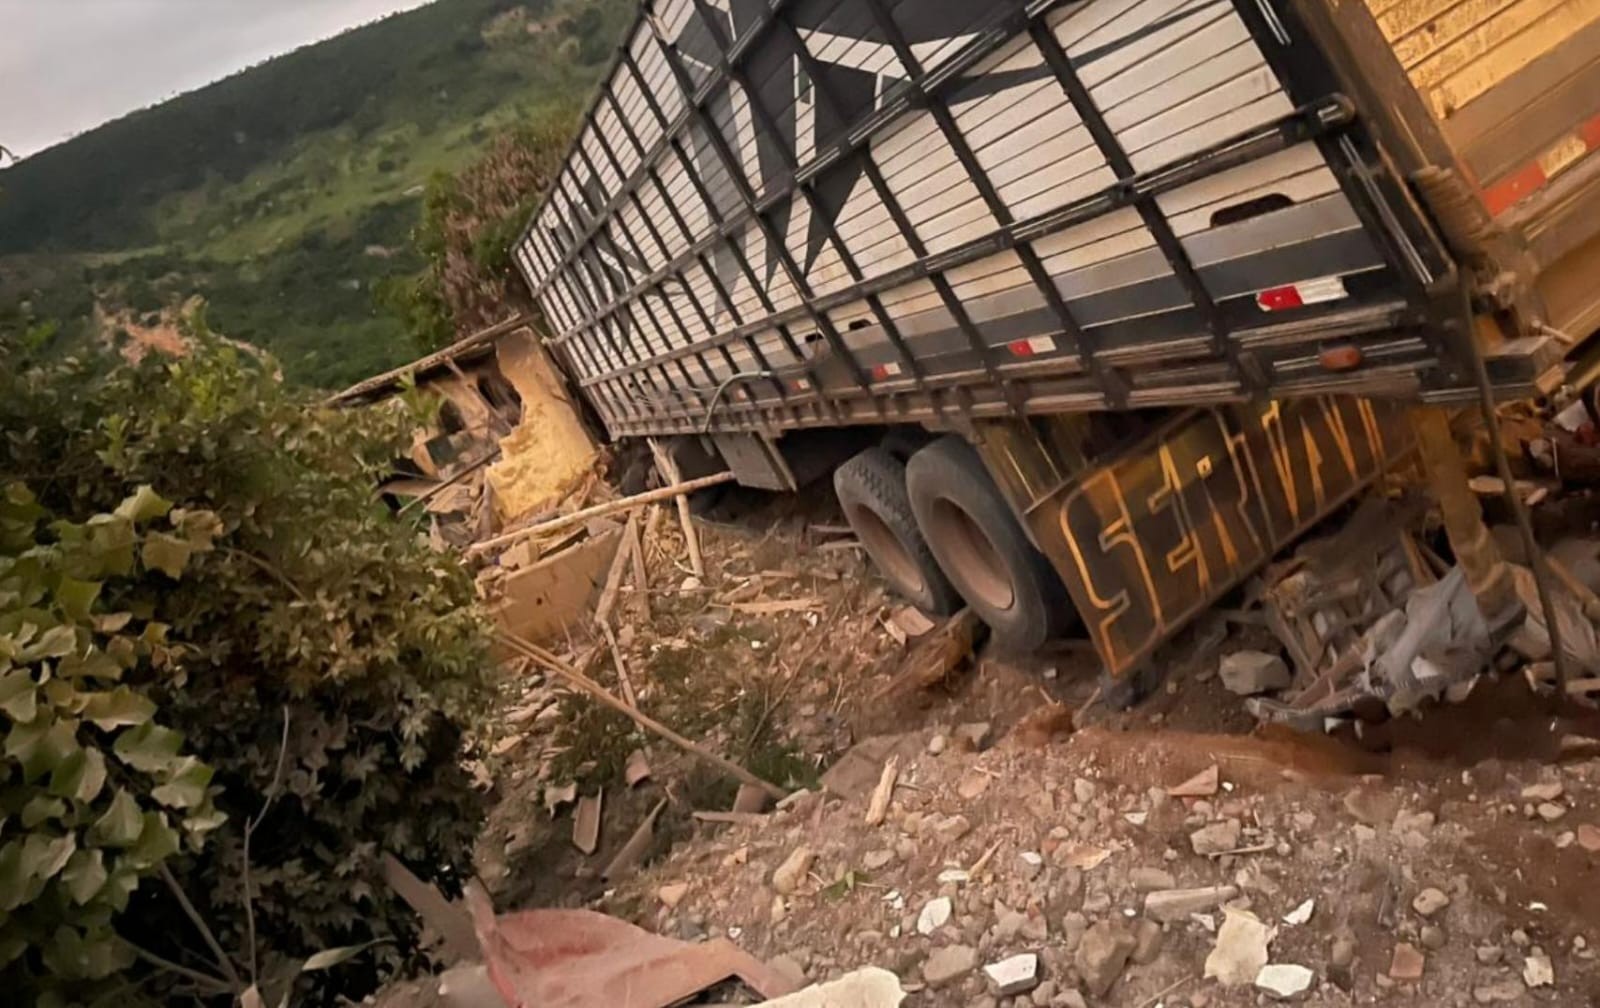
column 1341, row 960
column 1420, row 823
column 1102, row 954
column 974, row 734
column 1008, row 925
column 1250, row 672
column 935, row 914
column 1147, row 941
column 789, row 968
column 952, row 828
column 1202, row 785
column 1498, row 991
column 1589, row 837
column 1489, row 955
column 1406, row 963
column 1548, row 791
column 1550, row 811
column 787, row 877
column 1044, row 993
column 1343, row 952
column 1073, row 926
column 936, row 745
column 1070, row 998
column 1284, row 980
column 1300, row 914
column 1430, row 901
column 1016, row 975
column 1151, row 879
column 1216, row 838
column 1083, row 790
column 1175, row 905
column 1029, row 865
column 973, row 784
column 875, row 860
column 1432, row 937
column 1537, row 970
column 948, row 964
column 1080, row 856
column 1241, row 948
column 672, row 894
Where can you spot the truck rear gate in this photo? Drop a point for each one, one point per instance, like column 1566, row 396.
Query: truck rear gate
column 828, row 212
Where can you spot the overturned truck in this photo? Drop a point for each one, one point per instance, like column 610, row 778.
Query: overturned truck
column 1090, row 306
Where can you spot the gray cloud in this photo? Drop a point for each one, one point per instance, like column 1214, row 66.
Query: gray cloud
column 69, row 65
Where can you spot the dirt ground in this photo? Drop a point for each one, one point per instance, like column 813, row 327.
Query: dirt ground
column 1450, row 859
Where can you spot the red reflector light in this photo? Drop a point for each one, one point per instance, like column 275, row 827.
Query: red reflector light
column 1021, row 348
column 1343, row 357
column 1280, row 298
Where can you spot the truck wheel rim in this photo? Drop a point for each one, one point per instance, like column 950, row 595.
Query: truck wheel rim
column 893, row 559
column 976, row 563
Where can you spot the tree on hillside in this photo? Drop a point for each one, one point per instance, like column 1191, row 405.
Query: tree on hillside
column 469, row 223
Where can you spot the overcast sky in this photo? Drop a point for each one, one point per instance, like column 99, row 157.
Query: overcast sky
column 69, row 65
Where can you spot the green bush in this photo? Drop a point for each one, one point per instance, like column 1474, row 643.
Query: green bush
column 95, row 794
column 315, row 607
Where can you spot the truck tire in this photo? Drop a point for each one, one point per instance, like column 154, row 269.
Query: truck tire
column 872, row 491
column 983, row 549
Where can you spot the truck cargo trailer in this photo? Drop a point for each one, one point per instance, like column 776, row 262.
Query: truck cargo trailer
column 1104, row 300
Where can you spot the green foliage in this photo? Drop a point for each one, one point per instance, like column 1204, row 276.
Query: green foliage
column 95, row 793
column 286, row 194
column 470, row 221
column 314, row 604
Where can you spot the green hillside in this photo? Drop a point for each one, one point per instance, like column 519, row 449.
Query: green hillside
column 285, row 194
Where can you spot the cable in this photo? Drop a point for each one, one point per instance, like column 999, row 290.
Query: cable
column 716, row 397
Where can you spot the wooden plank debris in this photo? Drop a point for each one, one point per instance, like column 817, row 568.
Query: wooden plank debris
column 669, row 472
column 878, row 804
column 637, row 768
column 629, row 855
column 542, row 599
column 586, row 822
column 777, row 606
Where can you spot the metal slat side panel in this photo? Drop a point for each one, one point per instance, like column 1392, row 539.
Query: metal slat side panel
column 829, row 211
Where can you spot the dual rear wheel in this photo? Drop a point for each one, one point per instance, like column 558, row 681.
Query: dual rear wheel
column 940, row 532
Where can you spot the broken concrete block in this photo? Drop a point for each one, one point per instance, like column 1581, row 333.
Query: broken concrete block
column 870, row 987
column 672, row 894
column 1241, row 948
column 935, row 914
column 1016, row 975
column 1173, row 905
column 1250, row 672
column 1102, row 954
column 1406, row 963
column 1151, row 879
column 787, row 877
column 1217, row 838
column 1429, row 902
column 1284, row 980
column 948, row 964
column 1147, row 940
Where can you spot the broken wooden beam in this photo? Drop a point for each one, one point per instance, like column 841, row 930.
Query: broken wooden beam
column 601, row 510
column 669, row 472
